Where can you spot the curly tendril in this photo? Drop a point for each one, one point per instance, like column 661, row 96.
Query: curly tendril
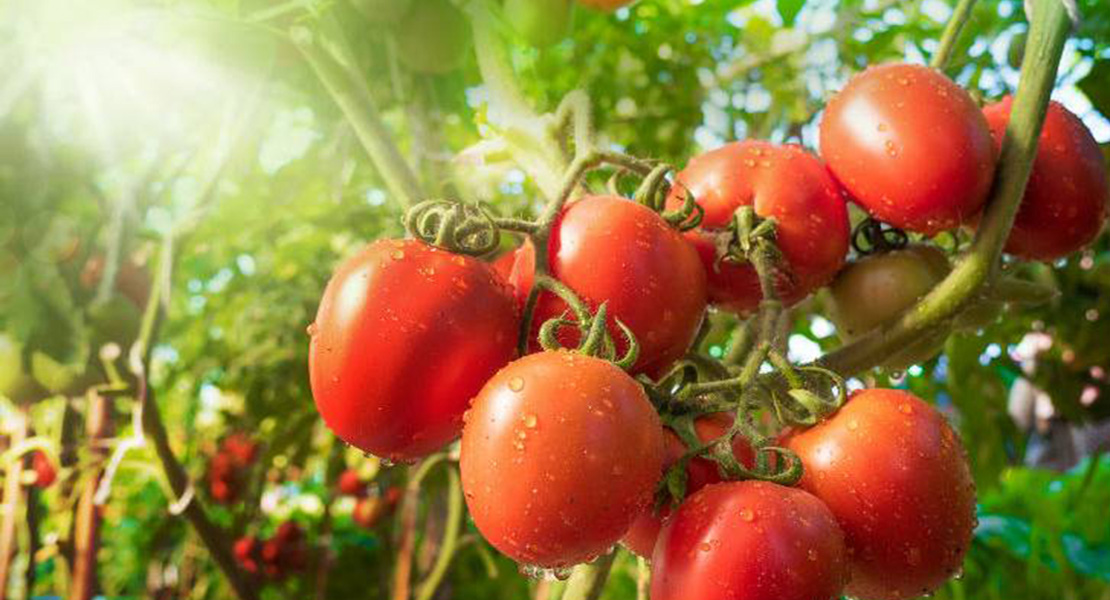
column 871, row 236
column 817, row 393
column 454, row 226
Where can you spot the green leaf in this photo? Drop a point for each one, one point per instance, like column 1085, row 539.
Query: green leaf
column 789, row 9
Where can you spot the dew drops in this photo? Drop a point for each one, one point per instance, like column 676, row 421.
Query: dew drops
column 906, row 409
column 853, row 425
column 398, row 254
column 529, row 421
column 312, row 329
column 516, row 384
column 746, row 514
column 812, row 555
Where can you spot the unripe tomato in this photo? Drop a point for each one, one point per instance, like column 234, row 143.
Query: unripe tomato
column 382, row 12
column 406, row 334
column 540, row 22
column 1065, row 202
column 700, row 472
column 785, row 183
column 433, row 36
column 560, row 453
column 878, row 287
column 910, row 146
column 610, row 249
column 752, row 540
column 896, row 477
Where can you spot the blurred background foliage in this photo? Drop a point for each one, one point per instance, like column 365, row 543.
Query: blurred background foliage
column 124, row 122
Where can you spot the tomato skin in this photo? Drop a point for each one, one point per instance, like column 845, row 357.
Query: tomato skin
column 1065, row 202
column 433, row 37
column 910, row 146
column 700, row 472
column 560, row 452
column 45, row 473
column 780, row 181
column 896, row 476
column 405, row 335
column 610, row 249
column 752, row 540
column 878, row 287
column 540, row 22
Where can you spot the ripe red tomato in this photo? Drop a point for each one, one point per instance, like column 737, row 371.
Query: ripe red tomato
column 610, row 249
column 700, row 472
column 45, row 473
column 351, row 483
column 560, row 452
column 1065, row 202
column 518, row 267
column 752, row 540
column 406, row 334
column 910, row 146
column 246, row 551
column 896, row 477
column 370, row 510
column 781, row 182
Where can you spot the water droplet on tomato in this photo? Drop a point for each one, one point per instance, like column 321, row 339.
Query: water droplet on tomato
column 853, row 425
column 906, row 409
column 746, row 514
column 516, row 384
column 812, row 555
column 398, row 254
column 530, row 421
column 312, row 329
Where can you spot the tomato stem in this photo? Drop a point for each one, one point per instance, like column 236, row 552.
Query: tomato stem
column 951, row 35
column 588, row 580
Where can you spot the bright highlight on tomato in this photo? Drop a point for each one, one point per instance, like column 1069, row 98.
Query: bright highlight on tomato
column 785, row 183
column 560, row 452
column 910, row 146
column 405, row 336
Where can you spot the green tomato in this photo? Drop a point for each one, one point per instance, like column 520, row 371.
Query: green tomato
column 540, row 22
column 878, row 287
column 433, row 37
column 382, row 12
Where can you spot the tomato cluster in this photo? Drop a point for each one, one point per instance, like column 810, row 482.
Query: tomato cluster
column 283, row 554
column 567, row 450
column 370, row 508
column 229, row 468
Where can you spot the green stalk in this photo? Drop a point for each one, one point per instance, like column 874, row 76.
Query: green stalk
column 588, row 580
column 354, row 100
column 979, row 265
column 449, row 544
column 960, row 16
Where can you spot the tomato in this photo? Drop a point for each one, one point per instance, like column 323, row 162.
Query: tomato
column 878, row 287
column 518, row 267
column 910, row 146
column 560, row 452
column 610, row 249
column 351, row 483
column 700, row 472
column 370, row 510
column 405, row 335
column 781, row 182
column 382, row 12
column 433, row 36
column 752, row 540
column 540, row 22
column 896, row 477
column 1065, row 202
column 246, row 550
column 606, row 5
column 45, row 473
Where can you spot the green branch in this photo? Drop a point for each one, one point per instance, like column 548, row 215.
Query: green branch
column 588, row 580
column 979, row 265
column 350, row 93
column 960, row 16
